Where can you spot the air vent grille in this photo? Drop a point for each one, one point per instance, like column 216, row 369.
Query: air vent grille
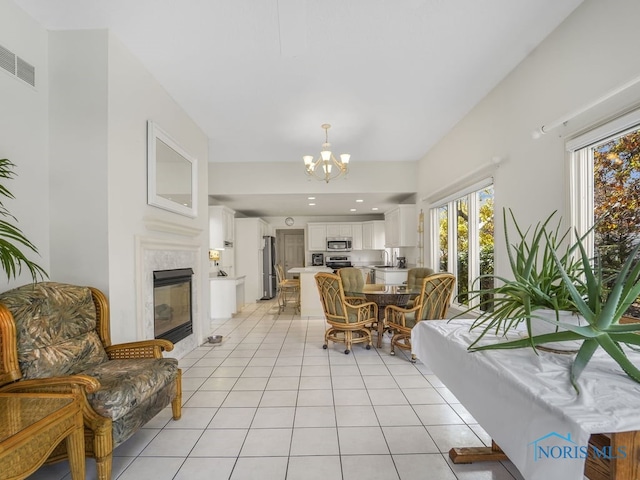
column 26, row 72
column 7, row 60
column 17, row 67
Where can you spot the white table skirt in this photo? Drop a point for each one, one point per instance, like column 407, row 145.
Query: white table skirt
column 519, row 397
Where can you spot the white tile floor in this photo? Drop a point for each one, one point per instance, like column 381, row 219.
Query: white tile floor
column 270, row 403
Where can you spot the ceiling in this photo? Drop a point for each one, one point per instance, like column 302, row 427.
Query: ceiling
column 320, row 204
column 261, row 76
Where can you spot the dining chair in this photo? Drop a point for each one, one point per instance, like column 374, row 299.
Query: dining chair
column 432, row 304
column 353, row 284
column 288, row 290
column 415, row 276
column 349, row 323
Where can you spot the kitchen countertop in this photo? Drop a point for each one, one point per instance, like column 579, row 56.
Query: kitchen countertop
column 214, row 276
column 310, row 269
column 388, row 269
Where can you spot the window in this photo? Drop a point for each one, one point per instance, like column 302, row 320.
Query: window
column 606, row 191
column 462, row 237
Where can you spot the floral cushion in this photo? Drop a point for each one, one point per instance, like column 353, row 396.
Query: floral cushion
column 125, row 384
column 56, row 329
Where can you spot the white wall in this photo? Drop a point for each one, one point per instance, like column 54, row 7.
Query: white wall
column 79, row 157
column 592, row 52
column 23, row 134
column 101, row 100
column 135, row 97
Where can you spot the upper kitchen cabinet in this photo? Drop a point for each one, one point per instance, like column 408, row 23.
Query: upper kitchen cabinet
column 221, row 227
column 400, row 226
column 317, row 237
column 373, row 235
column 356, row 236
column 339, row 230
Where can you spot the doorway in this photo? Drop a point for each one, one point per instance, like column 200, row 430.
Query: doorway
column 290, row 249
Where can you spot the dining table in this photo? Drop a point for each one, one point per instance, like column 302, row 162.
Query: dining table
column 383, row 295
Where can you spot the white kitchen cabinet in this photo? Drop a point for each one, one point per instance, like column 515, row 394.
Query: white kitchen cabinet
column 317, row 237
column 339, row 230
column 248, row 255
column 373, row 235
column 389, row 276
column 221, row 227
column 356, row 236
column 226, row 296
column 401, row 225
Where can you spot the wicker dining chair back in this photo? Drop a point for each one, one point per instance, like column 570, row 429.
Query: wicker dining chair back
column 435, row 296
column 349, row 323
column 432, row 304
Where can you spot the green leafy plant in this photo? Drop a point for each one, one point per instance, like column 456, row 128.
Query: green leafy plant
column 537, row 279
column 11, row 237
column 603, row 316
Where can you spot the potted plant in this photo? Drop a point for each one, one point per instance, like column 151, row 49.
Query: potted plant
column 602, row 311
column 11, row 237
column 537, row 284
column 582, row 279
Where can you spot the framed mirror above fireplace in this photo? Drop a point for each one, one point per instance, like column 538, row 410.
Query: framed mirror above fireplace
column 172, row 174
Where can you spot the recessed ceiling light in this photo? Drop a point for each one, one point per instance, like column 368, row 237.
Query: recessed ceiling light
column 375, row 209
column 311, row 204
column 352, row 210
column 359, row 200
column 311, row 198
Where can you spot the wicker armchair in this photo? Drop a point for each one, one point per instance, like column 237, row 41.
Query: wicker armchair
column 349, row 322
column 55, row 338
column 432, row 304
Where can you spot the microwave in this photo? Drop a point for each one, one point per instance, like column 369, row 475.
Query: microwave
column 342, row 244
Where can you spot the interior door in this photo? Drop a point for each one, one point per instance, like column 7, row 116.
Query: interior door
column 290, row 249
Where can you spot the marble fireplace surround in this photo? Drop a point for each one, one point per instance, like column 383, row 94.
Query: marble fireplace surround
column 165, row 254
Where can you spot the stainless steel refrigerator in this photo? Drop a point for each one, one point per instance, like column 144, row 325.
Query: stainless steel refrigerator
column 269, row 268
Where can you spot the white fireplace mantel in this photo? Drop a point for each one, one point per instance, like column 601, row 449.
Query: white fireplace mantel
column 165, row 254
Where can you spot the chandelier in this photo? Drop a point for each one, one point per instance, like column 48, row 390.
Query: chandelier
column 323, row 167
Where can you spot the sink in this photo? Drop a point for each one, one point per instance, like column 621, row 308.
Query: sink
column 383, row 266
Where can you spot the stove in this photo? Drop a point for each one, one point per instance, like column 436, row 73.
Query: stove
column 338, row 262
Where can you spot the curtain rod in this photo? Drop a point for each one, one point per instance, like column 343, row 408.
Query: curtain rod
column 547, row 127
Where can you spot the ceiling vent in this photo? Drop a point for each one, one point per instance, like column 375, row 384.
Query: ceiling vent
column 17, row 67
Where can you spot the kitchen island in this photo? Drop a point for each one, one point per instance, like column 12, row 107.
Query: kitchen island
column 226, row 295
column 310, row 305
column 389, row 275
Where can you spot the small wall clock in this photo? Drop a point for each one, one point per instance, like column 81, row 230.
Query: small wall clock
column 288, row 221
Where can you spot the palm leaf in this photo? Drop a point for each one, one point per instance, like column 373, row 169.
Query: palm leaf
column 12, row 259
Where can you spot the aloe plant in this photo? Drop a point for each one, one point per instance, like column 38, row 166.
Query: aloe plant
column 536, row 284
column 11, row 237
column 603, row 316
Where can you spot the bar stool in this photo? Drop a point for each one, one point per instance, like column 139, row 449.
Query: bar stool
column 288, row 291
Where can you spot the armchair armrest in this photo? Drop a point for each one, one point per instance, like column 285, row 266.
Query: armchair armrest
column 54, row 384
column 141, row 349
column 79, row 385
column 395, row 314
column 355, row 300
column 365, row 311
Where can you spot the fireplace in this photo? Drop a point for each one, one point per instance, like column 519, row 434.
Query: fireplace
column 172, row 319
